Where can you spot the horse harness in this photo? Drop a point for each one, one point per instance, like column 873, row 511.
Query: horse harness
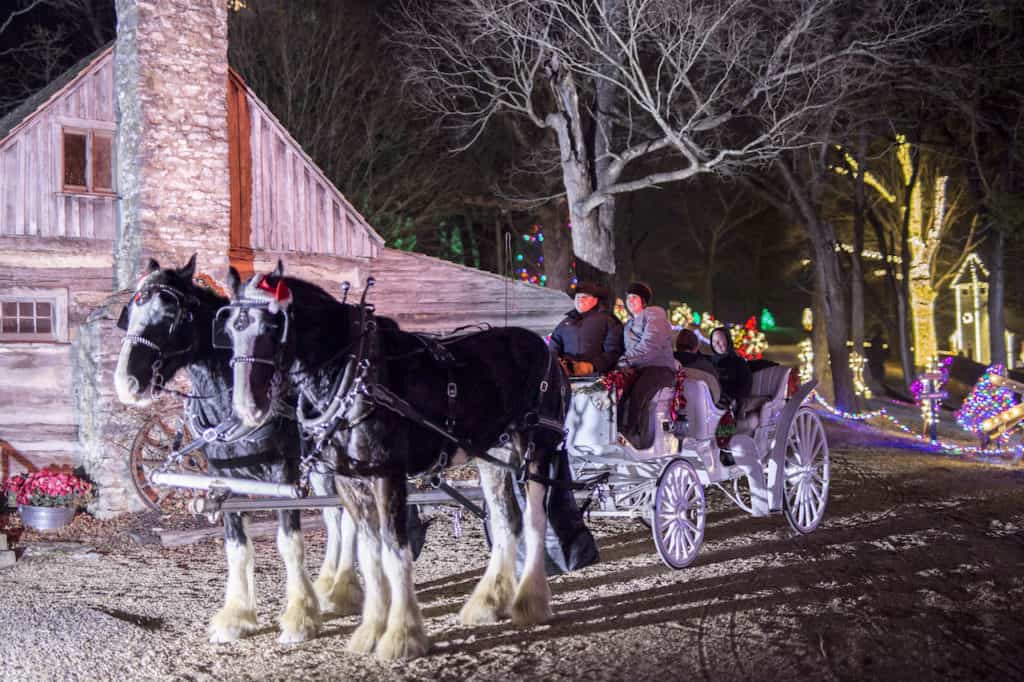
column 356, row 384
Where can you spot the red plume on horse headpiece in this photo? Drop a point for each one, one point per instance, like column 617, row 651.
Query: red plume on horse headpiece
column 280, row 292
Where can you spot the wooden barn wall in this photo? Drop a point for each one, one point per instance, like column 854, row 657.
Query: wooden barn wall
column 431, row 294
column 428, row 294
column 32, row 202
column 294, row 207
column 37, row 420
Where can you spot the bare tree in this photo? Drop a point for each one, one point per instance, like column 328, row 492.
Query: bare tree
column 702, row 85
column 714, row 229
column 337, row 92
column 43, row 38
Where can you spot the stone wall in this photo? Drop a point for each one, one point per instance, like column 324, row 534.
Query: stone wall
column 171, row 74
column 170, row 71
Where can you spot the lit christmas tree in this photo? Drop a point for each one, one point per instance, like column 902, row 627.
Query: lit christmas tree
column 529, row 260
column 985, row 400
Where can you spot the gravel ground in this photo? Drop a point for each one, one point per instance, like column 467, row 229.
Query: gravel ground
column 914, row 574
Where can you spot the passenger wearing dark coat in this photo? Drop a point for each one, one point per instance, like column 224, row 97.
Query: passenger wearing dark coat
column 589, row 339
column 733, row 373
column 697, row 364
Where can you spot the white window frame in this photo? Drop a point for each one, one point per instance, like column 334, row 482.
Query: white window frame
column 58, row 300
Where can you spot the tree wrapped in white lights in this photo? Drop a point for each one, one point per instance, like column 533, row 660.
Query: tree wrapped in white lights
column 912, row 200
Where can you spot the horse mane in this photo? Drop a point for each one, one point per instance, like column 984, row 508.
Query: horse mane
column 207, row 297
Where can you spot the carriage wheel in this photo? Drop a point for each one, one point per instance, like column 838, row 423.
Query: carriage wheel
column 807, row 472
column 679, row 514
column 151, row 447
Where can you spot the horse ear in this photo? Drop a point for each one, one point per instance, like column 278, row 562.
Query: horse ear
column 235, row 282
column 279, row 270
column 189, row 269
column 153, row 265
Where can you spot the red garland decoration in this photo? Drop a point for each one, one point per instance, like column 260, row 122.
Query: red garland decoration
column 792, row 383
column 280, row 292
column 619, row 379
column 679, row 399
column 726, row 428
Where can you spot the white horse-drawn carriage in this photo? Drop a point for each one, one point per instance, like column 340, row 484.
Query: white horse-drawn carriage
column 779, row 455
column 779, row 459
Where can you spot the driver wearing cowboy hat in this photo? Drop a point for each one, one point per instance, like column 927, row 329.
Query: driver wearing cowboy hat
column 589, row 339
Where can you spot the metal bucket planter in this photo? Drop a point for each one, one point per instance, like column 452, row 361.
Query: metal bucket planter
column 45, row 518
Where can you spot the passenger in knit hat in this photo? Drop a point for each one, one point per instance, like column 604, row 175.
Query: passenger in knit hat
column 642, row 290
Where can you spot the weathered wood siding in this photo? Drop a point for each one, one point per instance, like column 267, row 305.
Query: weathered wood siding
column 431, row 294
column 37, row 421
column 428, row 294
column 32, row 200
column 295, row 208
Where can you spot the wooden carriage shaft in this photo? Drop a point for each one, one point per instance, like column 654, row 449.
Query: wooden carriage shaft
column 424, row 498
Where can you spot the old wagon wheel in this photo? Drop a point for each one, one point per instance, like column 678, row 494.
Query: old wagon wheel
column 679, row 514
column 806, row 471
column 151, row 448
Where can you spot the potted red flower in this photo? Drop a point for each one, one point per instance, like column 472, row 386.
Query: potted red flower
column 47, row 499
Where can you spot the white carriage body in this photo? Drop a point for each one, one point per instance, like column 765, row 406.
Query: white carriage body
column 772, row 467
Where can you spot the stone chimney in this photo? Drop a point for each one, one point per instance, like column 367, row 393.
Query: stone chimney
column 171, row 71
column 171, row 75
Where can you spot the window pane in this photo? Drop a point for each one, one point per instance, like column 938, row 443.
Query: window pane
column 43, row 325
column 25, row 309
column 10, row 309
column 74, row 159
column 43, row 309
column 10, row 325
column 102, row 168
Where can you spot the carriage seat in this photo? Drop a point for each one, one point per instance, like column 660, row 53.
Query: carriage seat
column 702, row 414
column 767, row 393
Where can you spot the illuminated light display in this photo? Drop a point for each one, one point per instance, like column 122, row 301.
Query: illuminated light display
column 680, row 314
column 748, row 340
column 987, row 400
column 857, row 363
column 805, row 353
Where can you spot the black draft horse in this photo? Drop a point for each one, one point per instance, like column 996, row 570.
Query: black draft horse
column 489, row 389
column 168, row 326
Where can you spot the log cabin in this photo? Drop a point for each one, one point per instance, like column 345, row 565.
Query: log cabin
column 154, row 146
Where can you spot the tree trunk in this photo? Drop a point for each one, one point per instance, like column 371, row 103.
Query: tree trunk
column 829, row 283
column 819, row 345
column 709, row 278
column 592, row 242
column 556, row 247
column 996, row 297
column 997, row 269
column 857, row 265
column 499, row 249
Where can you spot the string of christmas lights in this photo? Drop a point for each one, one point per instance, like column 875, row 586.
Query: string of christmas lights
column 937, row 445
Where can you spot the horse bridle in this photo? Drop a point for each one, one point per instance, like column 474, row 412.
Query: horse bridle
column 183, row 311
column 244, row 305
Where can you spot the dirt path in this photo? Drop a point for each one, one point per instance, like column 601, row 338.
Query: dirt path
column 915, row 574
